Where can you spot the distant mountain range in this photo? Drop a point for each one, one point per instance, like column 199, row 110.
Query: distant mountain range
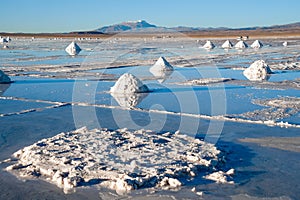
column 143, row 26
column 126, row 26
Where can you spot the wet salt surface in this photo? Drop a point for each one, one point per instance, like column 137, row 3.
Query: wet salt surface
column 51, row 100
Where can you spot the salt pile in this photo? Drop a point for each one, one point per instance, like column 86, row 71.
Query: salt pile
column 241, row 45
column 128, row 84
column 227, row 45
column 120, row 160
column 161, row 65
column 257, row 71
column 73, row 49
column 208, row 45
column 285, row 43
column 256, row 44
column 4, row 78
column 3, row 40
column 162, row 69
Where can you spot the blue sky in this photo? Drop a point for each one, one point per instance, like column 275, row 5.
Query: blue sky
column 74, row 15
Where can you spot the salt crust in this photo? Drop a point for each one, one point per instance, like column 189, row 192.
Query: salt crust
column 121, row 160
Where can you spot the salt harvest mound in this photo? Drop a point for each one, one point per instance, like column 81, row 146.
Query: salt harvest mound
column 73, row 49
column 162, row 69
column 208, row 45
column 120, row 160
column 3, row 40
column 4, row 78
column 241, row 45
column 227, row 45
column 257, row 71
column 161, row 65
column 256, row 44
column 128, row 84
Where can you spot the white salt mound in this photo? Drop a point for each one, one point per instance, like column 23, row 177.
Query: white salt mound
column 256, row 44
column 128, row 84
column 73, row 49
column 162, row 69
column 285, row 43
column 2, row 40
column 257, row 71
column 208, row 45
column 161, row 65
column 227, row 45
column 241, row 45
column 4, row 78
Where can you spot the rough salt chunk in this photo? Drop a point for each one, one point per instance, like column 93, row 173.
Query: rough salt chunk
column 128, row 84
column 257, row 71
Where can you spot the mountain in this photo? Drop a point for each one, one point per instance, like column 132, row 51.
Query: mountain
column 143, row 26
column 126, row 26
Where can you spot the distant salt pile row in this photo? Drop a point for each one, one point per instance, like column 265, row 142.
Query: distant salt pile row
column 121, row 160
column 228, row 45
column 257, row 71
column 73, row 49
column 4, row 78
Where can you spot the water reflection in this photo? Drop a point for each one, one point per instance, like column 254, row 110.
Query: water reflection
column 129, row 100
column 3, row 87
column 161, row 75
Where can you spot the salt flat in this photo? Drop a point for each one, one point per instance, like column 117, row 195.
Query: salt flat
column 205, row 98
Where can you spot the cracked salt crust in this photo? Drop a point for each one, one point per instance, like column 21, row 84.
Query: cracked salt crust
column 121, row 160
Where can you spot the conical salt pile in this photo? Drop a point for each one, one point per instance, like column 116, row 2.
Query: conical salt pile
column 128, row 84
column 256, row 44
column 241, row 45
column 257, row 71
column 161, row 65
column 285, row 43
column 4, row 78
column 73, row 49
column 208, row 45
column 2, row 40
column 227, row 45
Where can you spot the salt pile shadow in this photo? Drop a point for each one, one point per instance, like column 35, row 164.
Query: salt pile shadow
column 121, row 160
column 3, row 88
